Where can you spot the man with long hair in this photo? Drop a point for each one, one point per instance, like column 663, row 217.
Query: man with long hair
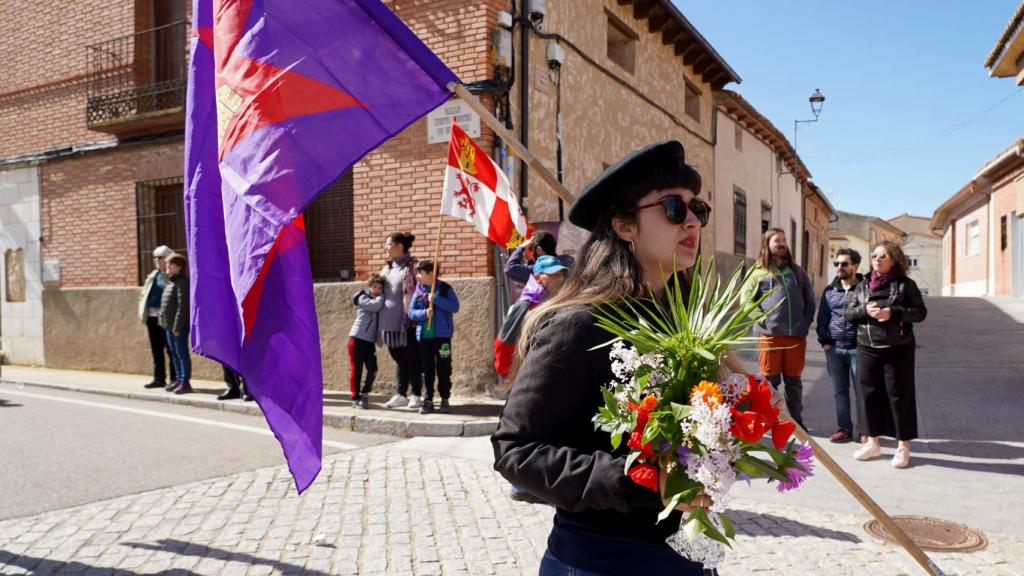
column 790, row 302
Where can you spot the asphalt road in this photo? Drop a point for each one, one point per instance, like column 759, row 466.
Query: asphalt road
column 60, row 449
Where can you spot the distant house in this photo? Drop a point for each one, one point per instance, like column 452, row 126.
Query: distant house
column 923, row 248
column 860, row 232
column 983, row 230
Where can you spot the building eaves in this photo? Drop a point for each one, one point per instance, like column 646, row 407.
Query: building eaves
column 663, row 17
column 744, row 111
column 1013, row 29
column 942, row 215
column 816, row 190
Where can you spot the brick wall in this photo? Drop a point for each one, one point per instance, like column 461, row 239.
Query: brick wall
column 88, row 211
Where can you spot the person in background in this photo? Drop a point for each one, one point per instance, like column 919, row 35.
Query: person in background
column 519, row 266
column 548, row 275
column 363, row 338
column 149, row 312
column 434, row 330
column 885, row 306
column 397, row 331
column 783, row 343
column 235, row 386
column 174, row 319
column 838, row 338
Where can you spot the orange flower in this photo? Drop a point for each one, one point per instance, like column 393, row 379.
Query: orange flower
column 649, row 403
column 707, row 392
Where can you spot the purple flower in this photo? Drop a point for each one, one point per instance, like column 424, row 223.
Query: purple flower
column 744, row 477
column 804, row 467
column 682, row 452
column 665, row 446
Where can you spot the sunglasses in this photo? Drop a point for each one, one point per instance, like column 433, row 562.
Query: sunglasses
column 676, row 209
column 839, row 264
column 879, row 256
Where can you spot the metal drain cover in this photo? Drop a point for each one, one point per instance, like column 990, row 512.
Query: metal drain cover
column 932, row 534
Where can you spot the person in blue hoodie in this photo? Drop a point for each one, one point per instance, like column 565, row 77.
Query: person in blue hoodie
column 434, row 329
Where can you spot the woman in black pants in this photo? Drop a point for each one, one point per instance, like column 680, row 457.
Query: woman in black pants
column 397, row 332
column 644, row 220
column 886, row 305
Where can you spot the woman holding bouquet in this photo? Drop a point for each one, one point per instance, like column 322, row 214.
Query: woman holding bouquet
column 644, row 219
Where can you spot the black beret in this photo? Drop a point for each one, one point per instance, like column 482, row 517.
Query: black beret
column 600, row 194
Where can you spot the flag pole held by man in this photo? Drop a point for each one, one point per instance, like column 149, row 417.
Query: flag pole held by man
column 280, row 103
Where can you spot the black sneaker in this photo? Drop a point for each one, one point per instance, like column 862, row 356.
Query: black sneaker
column 359, row 402
column 445, row 407
column 230, row 394
column 427, row 408
column 156, row 384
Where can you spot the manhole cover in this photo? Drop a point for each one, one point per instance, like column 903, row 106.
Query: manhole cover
column 932, row 534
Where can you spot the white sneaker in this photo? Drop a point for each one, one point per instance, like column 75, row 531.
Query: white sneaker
column 396, row 401
column 868, row 451
column 414, row 402
column 901, row 459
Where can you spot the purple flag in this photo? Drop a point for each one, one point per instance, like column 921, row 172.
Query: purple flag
column 283, row 97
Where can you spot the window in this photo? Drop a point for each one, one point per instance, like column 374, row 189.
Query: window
column 692, row 103
column 766, row 217
column 1002, row 233
column 821, row 258
column 973, row 238
column 329, row 231
column 739, row 214
column 621, row 43
column 160, row 219
column 739, row 136
column 912, row 261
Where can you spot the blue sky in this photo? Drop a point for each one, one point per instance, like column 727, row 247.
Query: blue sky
column 910, row 113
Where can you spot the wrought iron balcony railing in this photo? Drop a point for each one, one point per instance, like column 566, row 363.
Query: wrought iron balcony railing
column 137, row 82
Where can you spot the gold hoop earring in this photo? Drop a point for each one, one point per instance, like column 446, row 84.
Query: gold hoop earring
column 631, row 247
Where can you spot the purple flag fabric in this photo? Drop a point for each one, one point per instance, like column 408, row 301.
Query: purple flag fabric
column 283, row 97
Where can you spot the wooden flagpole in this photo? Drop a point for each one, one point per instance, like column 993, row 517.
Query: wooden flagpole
column 510, row 139
column 862, row 496
column 437, row 271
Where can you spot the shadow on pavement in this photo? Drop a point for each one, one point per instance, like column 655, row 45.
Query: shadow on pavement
column 6, row 404
column 917, row 461
column 183, row 548
column 35, row 565
column 743, row 518
column 980, row 449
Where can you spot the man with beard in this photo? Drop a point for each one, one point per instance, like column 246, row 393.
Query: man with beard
column 838, row 338
column 789, row 302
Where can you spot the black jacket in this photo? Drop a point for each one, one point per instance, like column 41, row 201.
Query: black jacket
column 174, row 305
column 902, row 296
column 546, row 444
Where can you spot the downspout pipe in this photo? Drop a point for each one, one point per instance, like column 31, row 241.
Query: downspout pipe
column 524, row 98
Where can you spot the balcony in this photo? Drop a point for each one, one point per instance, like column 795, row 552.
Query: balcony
column 136, row 83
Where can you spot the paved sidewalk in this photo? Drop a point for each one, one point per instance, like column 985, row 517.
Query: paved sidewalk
column 471, row 416
column 411, row 508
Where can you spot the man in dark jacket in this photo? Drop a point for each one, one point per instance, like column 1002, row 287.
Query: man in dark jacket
column 838, row 338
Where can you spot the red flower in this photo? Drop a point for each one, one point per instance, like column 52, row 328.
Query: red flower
column 748, row 426
column 758, row 399
column 781, row 433
column 645, row 475
column 634, row 442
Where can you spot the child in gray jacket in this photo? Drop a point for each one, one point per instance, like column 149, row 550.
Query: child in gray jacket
column 363, row 339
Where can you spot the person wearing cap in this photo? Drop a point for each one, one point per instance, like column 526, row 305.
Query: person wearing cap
column 645, row 220
column 149, row 312
column 548, row 275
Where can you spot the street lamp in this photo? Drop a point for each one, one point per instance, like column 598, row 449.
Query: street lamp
column 817, row 100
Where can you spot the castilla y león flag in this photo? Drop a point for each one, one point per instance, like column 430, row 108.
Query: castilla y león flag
column 476, row 190
column 284, row 97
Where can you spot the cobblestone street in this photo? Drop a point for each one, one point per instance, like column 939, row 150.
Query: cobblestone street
column 398, row 510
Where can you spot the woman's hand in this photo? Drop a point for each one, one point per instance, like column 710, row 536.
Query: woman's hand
column 884, row 314
column 177, row 334
column 700, row 501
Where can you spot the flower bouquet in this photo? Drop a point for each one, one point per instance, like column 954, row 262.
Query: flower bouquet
column 692, row 429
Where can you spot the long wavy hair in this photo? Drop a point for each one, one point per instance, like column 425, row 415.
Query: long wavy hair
column 764, row 258
column 607, row 270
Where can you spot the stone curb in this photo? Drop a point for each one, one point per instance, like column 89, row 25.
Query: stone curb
column 365, row 423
